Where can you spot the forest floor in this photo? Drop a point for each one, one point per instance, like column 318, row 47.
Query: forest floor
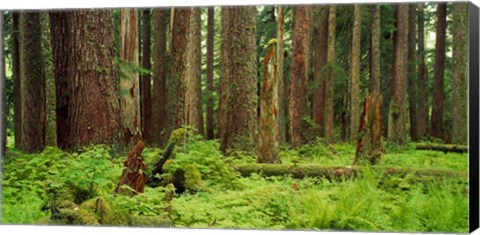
column 217, row 196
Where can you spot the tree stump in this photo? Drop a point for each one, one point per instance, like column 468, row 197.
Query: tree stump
column 133, row 173
column 369, row 138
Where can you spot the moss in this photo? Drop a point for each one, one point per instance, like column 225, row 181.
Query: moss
column 104, row 211
column 193, row 178
column 150, row 221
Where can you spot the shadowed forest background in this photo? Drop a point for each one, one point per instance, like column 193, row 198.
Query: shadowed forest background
column 276, row 117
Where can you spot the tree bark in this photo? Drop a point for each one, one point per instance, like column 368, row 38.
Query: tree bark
column 412, row 72
column 439, row 69
column 129, row 80
column 3, row 93
column 460, row 83
column 329, row 105
column 239, row 76
column 146, row 91
column 355, row 73
column 299, row 72
column 375, row 50
column 94, row 112
column 159, row 77
column 210, row 69
column 282, row 96
column 193, row 94
column 422, row 77
column 17, row 108
column 397, row 110
column 319, row 75
column 32, row 69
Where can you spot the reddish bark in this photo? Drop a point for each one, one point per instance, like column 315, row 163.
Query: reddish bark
column 133, row 173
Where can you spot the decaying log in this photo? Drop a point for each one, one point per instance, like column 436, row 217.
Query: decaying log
column 133, row 173
column 444, row 148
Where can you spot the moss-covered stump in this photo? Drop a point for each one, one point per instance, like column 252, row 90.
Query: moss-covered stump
column 443, row 148
column 302, row 171
column 150, row 221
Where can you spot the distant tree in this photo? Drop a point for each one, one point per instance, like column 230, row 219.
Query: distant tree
column 460, row 53
column 282, row 97
column 320, row 60
column 397, row 109
column 145, row 79
column 32, row 70
column 375, row 50
column 210, row 69
column 412, row 72
column 329, row 92
column 17, row 108
column 439, row 70
column 422, row 105
column 299, row 72
column 355, row 73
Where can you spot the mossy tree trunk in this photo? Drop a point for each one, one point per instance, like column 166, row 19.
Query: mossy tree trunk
column 17, row 109
column 439, row 70
column 145, row 81
column 299, row 72
column 3, row 93
column 32, row 69
column 129, row 79
column 59, row 41
column 422, row 104
column 320, row 60
column 93, row 106
column 210, row 69
column 282, row 98
column 329, row 103
column 268, row 123
column 355, row 73
column 397, row 111
column 193, row 96
column 240, row 105
column 460, row 53
column 159, row 76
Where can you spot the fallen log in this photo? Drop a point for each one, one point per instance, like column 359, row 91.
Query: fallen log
column 443, row 148
column 302, row 171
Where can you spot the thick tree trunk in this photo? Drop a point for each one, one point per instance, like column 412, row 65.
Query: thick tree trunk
column 17, row 108
column 59, row 40
column 146, row 82
column 282, row 96
column 397, row 110
column 375, row 50
column 159, row 77
column 50, row 95
column 94, row 112
column 355, row 74
column 319, row 75
column 299, row 72
column 439, row 70
column 193, row 95
column 210, row 88
column 460, row 53
column 129, row 80
column 176, row 108
column 422, row 77
column 329, row 110
column 239, row 132
column 412, row 72
column 32, row 69
column 223, row 87
column 369, row 143
column 268, row 124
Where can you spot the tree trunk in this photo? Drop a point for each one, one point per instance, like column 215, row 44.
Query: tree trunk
column 146, row 92
column 422, row 77
column 159, row 77
column 439, row 69
column 17, row 108
column 299, row 72
column 50, row 115
column 94, row 112
column 369, row 143
column 210, row 69
column 3, row 93
column 129, row 80
column 224, row 72
column 193, row 95
column 397, row 109
column 375, row 50
column 355, row 73
column 412, row 72
column 239, row 132
column 176, row 108
column 268, row 125
column 32, row 69
column 282, row 98
column 320, row 60
column 460, row 83
column 329, row 110
column 133, row 174
column 59, row 41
